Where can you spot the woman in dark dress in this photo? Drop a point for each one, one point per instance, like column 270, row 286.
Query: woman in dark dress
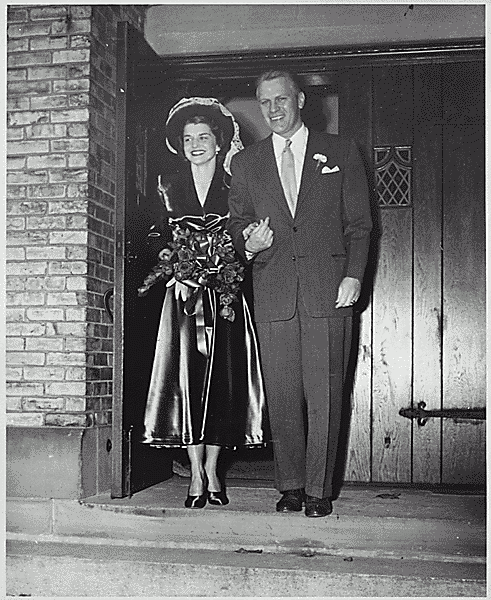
column 206, row 389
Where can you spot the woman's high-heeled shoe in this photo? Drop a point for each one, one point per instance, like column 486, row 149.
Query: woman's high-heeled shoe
column 195, row 501
column 218, row 498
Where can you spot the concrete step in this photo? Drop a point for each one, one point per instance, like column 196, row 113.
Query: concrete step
column 211, row 529
column 377, row 542
column 62, row 569
column 369, row 523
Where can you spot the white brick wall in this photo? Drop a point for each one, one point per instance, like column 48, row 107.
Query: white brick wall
column 59, row 246
column 48, row 150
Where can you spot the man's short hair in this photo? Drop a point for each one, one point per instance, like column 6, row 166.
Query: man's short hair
column 275, row 74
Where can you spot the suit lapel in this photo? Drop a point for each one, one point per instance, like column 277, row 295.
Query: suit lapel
column 311, row 167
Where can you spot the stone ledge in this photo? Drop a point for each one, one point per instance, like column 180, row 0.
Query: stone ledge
column 57, row 462
column 54, row 569
column 348, row 532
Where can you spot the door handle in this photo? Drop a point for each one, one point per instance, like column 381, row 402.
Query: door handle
column 108, row 294
column 423, row 415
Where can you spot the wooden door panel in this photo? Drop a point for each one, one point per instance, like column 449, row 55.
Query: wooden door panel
column 464, row 374
column 426, row 440
column 463, row 92
column 392, row 297
column 393, row 105
column 428, row 105
column 358, row 463
column 355, row 122
column 427, row 317
column 392, row 349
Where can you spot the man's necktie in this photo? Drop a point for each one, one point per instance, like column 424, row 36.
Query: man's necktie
column 288, row 179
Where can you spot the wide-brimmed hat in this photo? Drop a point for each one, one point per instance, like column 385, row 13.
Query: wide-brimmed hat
column 187, row 108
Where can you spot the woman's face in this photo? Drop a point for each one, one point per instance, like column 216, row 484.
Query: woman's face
column 199, row 143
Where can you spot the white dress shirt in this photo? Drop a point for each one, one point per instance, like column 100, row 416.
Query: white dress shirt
column 298, row 147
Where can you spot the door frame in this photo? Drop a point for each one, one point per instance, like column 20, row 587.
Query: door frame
column 132, row 48
column 311, row 63
column 221, row 75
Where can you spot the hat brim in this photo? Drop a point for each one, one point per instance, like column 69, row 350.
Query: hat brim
column 175, row 125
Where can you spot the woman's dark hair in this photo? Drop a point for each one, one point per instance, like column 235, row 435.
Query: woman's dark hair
column 214, row 127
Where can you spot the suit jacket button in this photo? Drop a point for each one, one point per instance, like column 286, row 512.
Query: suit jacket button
column 294, row 258
column 295, row 229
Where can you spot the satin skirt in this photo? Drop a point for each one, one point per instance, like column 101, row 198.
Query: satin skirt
column 206, row 385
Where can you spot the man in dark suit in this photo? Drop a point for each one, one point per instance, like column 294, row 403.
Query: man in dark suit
column 307, row 195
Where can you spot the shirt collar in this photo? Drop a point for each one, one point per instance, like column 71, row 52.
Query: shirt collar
column 299, row 141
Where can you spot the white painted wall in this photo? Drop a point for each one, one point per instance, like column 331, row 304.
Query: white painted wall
column 210, row 28
column 250, row 119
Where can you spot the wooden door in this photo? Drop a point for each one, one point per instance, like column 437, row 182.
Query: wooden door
column 135, row 466
column 420, row 128
column 463, row 238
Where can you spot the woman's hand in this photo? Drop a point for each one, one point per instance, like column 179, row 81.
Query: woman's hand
column 165, row 254
column 261, row 238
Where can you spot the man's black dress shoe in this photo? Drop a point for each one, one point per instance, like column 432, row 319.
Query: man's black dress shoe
column 317, row 507
column 291, row 501
column 218, row 498
column 195, row 501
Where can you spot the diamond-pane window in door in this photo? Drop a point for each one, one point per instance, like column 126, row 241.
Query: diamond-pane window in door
column 393, row 166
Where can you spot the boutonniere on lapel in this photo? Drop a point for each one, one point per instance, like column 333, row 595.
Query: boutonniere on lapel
column 320, row 158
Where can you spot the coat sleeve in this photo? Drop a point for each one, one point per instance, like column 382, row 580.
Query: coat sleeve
column 157, row 238
column 357, row 221
column 160, row 234
column 240, row 204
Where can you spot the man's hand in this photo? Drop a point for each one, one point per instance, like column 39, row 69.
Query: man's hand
column 246, row 233
column 348, row 293
column 261, row 238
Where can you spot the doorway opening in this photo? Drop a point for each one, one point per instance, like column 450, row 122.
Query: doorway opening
column 386, row 98
column 146, row 92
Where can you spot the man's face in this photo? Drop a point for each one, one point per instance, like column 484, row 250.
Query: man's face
column 280, row 106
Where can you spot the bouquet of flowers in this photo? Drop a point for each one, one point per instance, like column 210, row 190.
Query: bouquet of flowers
column 205, row 256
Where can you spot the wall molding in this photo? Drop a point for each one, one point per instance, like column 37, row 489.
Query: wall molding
column 310, row 60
